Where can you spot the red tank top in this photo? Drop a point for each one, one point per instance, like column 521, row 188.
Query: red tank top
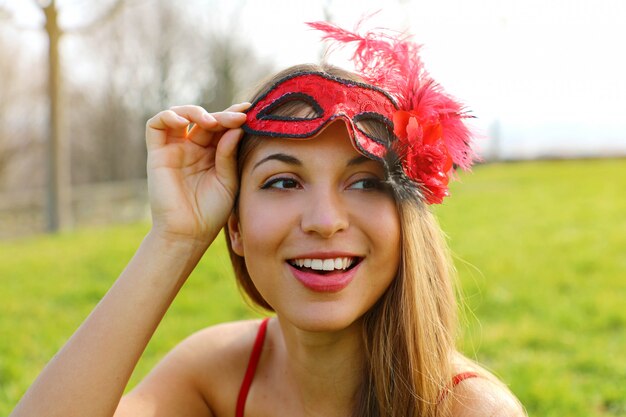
column 257, row 348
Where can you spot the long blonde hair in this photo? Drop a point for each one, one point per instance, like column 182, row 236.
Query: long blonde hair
column 408, row 334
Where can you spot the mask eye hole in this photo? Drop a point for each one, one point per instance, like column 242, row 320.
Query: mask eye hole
column 294, row 107
column 375, row 126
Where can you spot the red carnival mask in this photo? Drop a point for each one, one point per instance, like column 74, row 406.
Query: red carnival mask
column 330, row 98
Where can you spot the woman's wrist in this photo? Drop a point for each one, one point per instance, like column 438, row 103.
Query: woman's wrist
column 176, row 254
column 192, row 245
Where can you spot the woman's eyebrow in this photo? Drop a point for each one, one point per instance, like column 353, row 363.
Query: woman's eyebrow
column 288, row 159
column 357, row 160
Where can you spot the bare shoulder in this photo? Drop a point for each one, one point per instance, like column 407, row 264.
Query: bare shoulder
column 225, row 338
column 222, row 346
column 484, row 396
column 204, row 370
column 218, row 355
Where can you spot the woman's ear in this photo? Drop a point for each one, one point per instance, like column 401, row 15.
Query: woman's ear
column 234, row 233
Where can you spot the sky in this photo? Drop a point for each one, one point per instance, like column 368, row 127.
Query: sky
column 542, row 77
column 545, row 76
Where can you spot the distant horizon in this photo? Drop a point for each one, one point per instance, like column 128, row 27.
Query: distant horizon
column 550, row 140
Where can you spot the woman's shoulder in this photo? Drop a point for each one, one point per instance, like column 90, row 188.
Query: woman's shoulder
column 482, row 394
column 222, row 353
column 224, row 336
column 222, row 349
column 205, row 368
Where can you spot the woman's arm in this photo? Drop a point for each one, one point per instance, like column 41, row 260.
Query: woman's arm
column 88, row 376
column 192, row 182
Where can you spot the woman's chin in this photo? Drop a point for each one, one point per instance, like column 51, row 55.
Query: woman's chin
column 321, row 321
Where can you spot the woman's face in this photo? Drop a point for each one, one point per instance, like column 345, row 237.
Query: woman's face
column 320, row 236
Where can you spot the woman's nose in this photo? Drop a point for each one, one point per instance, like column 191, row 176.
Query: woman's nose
column 325, row 214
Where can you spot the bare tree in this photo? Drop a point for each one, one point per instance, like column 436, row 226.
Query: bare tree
column 10, row 148
column 230, row 65
column 137, row 64
column 148, row 59
column 58, row 207
column 106, row 133
column 58, row 210
column 128, row 62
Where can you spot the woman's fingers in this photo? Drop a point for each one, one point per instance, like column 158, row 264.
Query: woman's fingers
column 226, row 158
column 239, row 107
column 164, row 124
column 174, row 124
column 196, row 115
column 230, row 118
column 205, row 137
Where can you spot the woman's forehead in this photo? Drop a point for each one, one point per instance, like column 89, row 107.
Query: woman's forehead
column 333, row 138
column 331, row 144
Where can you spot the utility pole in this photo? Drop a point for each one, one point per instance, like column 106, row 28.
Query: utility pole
column 58, row 191
column 58, row 207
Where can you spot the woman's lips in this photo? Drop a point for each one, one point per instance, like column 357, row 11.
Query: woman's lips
column 324, row 281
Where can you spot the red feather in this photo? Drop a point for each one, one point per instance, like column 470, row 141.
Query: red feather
column 392, row 61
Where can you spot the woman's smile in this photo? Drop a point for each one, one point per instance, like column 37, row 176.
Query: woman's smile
column 319, row 233
column 324, row 273
column 324, row 264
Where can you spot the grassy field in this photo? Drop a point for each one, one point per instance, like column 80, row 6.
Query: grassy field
column 541, row 253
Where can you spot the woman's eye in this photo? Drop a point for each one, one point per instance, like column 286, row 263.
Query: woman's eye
column 281, row 183
column 367, row 184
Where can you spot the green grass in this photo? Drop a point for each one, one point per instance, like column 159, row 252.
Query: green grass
column 51, row 283
column 542, row 261
column 541, row 253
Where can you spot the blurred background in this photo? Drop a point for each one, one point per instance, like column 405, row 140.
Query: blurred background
column 537, row 230
column 79, row 78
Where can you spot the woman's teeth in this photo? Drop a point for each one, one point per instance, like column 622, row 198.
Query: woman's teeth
column 323, row 264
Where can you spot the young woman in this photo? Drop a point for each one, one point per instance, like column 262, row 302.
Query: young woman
column 325, row 205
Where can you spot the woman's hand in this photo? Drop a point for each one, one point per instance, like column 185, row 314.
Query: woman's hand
column 192, row 172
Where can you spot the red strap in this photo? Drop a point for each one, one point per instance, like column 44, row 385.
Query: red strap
column 462, row 377
column 257, row 348
column 456, row 380
column 252, row 364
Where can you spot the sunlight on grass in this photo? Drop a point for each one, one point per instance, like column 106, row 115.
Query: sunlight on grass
column 545, row 241
column 539, row 247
